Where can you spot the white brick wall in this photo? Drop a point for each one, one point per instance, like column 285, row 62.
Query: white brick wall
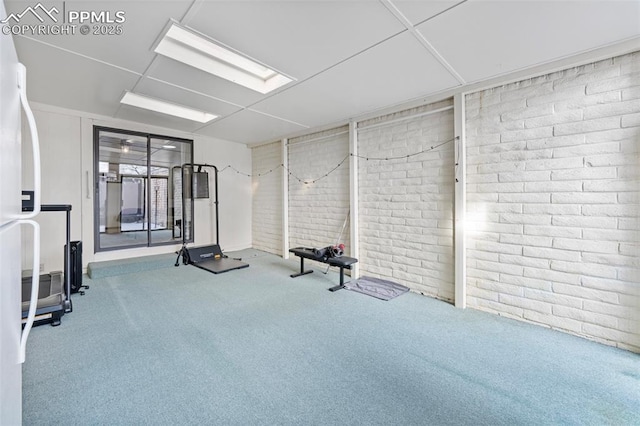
column 406, row 206
column 553, row 197
column 267, row 198
column 317, row 211
column 553, row 200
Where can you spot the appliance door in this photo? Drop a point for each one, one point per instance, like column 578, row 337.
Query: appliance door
column 10, row 237
column 13, row 344
column 10, row 126
column 10, row 234
column 10, row 357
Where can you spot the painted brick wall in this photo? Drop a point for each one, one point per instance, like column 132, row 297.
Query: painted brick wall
column 406, row 206
column 553, row 194
column 317, row 211
column 267, row 198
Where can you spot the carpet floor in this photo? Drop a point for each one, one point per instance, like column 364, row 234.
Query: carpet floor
column 256, row 347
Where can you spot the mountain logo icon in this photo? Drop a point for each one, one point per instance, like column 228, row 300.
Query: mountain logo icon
column 36, row 11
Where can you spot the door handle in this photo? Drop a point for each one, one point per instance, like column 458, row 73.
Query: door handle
column 35, row 283
column 35, row 286
column 35, row 143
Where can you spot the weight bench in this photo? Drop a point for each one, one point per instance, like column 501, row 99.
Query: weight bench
column 343, row 262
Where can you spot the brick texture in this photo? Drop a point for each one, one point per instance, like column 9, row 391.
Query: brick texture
column 559, row 243
column 267, row 198
column 317, row 210
column 553, row 199
column 406, row 205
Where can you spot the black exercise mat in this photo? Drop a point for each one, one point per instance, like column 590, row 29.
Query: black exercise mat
column 376, row 287
column 218, row 266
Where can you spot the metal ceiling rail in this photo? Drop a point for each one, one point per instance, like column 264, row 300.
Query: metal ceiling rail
column 408, row 117
column 344, row 132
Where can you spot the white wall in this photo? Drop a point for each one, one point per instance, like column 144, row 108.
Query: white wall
column 553, row 192
column 234, row 195
column 66, row 142
column 61, row 157
column 406, row 205
column 266, row 185
column 553, row 200
column 317, row 210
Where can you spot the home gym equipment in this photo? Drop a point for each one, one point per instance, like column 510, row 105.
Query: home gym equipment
column 55, row 288
column 210, row 257
column 75, row 267
column 344, row 225
column 324, row 255
column 51, row 298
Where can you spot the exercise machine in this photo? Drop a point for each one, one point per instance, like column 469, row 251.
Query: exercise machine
column 331, row 255
column 210, row 258
column 54, row 294
column 51, row 298
column 195, row 181
column 75, row 268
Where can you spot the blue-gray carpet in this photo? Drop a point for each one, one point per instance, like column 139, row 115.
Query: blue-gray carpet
column 254, row 347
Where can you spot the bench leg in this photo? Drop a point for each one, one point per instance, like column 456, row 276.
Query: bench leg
column 302, row 271
column 341, row 285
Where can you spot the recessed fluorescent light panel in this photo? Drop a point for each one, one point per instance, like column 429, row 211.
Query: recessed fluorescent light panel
column 157, row 105
column 207, row 55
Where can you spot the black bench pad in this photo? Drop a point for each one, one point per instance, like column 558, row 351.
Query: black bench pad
column 343, row 262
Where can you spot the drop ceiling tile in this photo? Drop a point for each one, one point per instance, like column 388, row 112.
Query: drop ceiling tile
column 72, row 81
column 350, row 57
column 417, row 11
column 177, row 73
column 482, row 39
column 395, row 71
column 160, row 90
column 152, row 118
column 298, row 38
column 250, row 127
column 131, row 49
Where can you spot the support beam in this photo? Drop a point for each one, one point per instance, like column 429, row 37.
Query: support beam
column 285, row 198
column 460, row 268
column 353, row 190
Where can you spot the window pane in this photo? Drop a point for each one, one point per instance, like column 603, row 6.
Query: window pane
column 121, row 190
column 139, row 198
column 167, row 157
column 133, row 211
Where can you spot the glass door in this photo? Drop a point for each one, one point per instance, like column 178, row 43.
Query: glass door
column 134, row 203
column 165, row 200
column 139, row 198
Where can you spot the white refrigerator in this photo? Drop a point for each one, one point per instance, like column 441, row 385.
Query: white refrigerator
column 12, row 335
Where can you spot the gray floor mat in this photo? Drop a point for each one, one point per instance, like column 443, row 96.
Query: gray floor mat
column 376, row 287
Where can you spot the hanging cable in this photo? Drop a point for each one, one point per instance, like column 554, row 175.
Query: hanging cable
column 307, row 182
column 400, row 157
column 251, row 175
column 312, row 181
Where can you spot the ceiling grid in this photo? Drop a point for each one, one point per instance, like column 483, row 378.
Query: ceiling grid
column 347, row 59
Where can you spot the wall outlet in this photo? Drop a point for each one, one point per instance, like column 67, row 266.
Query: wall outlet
column 42, row 268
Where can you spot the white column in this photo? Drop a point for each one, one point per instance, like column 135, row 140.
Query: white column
column 285, row 199
column 353, row 189
column 460, row 202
